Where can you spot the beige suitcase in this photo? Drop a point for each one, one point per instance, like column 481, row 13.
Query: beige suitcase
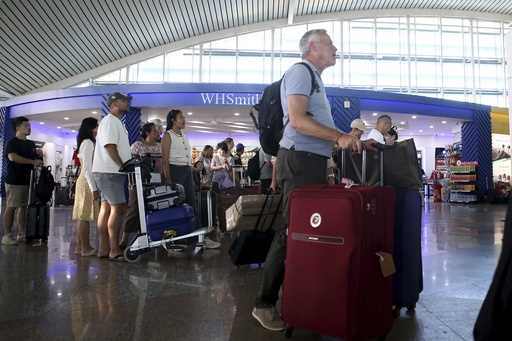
column 254, row 212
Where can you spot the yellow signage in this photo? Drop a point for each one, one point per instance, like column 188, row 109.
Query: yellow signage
column 499, row 121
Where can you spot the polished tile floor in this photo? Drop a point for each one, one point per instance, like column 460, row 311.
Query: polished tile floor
column 49, row 294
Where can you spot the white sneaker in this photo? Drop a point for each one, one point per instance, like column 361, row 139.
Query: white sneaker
column 8, row 240
column 210, row 244
column 269, row 319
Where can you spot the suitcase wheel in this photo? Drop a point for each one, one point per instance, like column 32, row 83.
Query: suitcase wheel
column 411, row 309
column 198, row 250
column 288, row 332
column 130, row 256
column 396, row 312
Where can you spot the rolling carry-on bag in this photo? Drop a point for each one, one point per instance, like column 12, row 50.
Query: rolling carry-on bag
column 408, row 279
column 339, row 261
column 252, row 246
column 38, row 212
column 38, row 223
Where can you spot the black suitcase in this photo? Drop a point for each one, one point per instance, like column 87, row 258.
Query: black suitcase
column 62, row 196
column 38, row 214
column 38, row 223
column 251, row 247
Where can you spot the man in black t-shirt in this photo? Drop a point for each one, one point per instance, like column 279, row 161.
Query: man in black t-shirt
column 22, row 156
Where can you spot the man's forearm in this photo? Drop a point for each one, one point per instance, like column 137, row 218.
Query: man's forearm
column 20, row 159
column 114, row 154
column 308, row 126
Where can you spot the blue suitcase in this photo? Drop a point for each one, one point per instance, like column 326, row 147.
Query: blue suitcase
column 170, row 222
column 408, row 279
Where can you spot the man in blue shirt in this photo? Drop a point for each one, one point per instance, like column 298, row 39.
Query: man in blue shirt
column 308, row 139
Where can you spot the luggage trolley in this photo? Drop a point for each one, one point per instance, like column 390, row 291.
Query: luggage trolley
column 143, row 242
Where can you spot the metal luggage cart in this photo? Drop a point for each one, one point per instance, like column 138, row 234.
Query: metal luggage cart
column 143, row 243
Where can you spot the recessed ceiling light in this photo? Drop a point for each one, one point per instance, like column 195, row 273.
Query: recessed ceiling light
column 41, row 123
column 237, row 114
column 94, row 112
column 73, row 131
column 421, row 130
column 375, row 114
column 402, row 123
column 443, row 122
column 66, row 118
column 59, row 127
column 414, row 117
column 431, row 127
column 189, row 113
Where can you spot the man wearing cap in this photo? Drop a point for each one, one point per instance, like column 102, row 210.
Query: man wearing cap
column 358, row 128
column 111, row 151
column 239, row 151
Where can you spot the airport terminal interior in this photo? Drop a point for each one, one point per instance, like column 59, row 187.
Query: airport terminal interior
column 430, row 78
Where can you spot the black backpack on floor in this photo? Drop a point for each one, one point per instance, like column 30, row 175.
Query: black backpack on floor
column 270, row 115
column 45, row 185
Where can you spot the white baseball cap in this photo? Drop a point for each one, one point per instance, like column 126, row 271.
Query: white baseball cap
column 358, row 124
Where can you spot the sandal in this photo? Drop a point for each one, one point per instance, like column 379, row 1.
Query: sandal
column 89, row 253
column 118, row 258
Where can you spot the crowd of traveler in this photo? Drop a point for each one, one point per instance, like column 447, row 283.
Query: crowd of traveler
column 306, row 147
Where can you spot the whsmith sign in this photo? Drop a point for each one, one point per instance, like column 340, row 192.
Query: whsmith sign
column 156, row 99
column 223, row 98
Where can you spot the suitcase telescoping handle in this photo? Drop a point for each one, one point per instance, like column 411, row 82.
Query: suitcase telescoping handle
column 380, row 148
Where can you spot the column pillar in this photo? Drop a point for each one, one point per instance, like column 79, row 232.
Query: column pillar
column 344, row 111
column 6, row 134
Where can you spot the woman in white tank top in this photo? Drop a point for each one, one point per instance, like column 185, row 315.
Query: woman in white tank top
column 177, row 155
column 177, row 161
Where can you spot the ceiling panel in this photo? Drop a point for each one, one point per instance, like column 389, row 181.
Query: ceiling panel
column 45, row 41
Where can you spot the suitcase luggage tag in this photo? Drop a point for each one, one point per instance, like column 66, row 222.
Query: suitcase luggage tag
column 387, row 265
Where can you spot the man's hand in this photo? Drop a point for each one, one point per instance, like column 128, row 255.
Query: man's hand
column 370, row 145
column 346, row 141
column 37, row 162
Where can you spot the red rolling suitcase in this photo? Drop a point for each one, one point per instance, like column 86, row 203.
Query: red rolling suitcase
column 337, row 240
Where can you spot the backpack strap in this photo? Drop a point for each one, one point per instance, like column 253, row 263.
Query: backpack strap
column 314, row 85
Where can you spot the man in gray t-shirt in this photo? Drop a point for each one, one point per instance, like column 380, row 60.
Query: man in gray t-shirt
column 307, row 143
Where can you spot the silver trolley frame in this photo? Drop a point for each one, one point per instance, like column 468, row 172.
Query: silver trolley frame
column 143, row 243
